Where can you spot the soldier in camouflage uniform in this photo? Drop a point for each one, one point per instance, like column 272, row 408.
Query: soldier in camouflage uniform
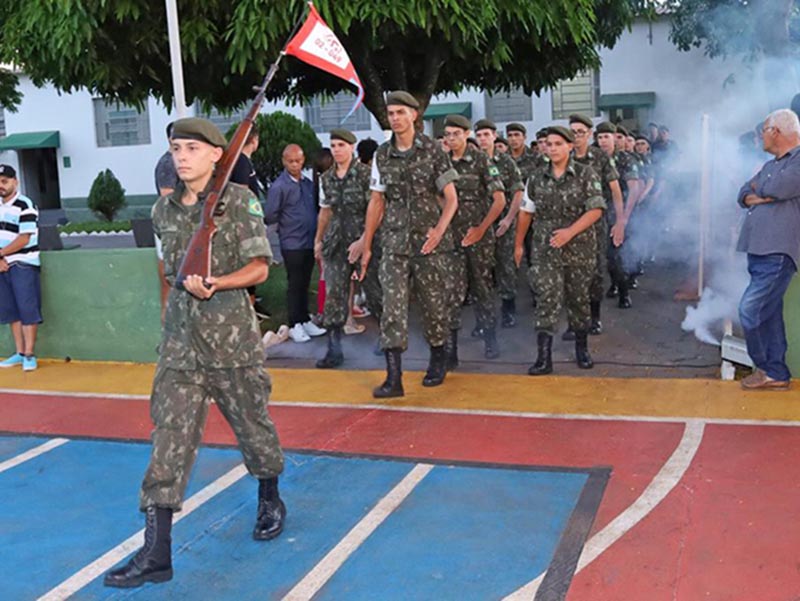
column 210, row 349
column 408, row 173
column 604, row 166
column 480, row 202
column 344, row 195
column 528, row 163
column 567, row 200
column 505, row 270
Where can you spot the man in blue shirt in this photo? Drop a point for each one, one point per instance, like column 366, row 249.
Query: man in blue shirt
column 20, row 292
column 290, row 204
column 771, row 238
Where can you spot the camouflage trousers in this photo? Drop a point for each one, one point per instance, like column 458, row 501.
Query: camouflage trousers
column 601, row 231
column 505, row 270
column 338, row 272
column 560, row 285
column 471, row 270
column 426, row 274
column 179, row 406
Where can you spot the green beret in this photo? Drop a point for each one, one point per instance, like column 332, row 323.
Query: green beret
column 542, row 133
column 578, row 118
column 516, row 127
column 402, row 98
column 195, row 128
column 500, row 140
column 485, row 124
column 457, row 121
column 344, row 135
column 564, row 132
column 622, row 130
column 606, row 127
column 643, row 137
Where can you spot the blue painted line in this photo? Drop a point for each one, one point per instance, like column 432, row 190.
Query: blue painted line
column 11, row 446
column 464, row 533
column 215, row 557
column 62, row 510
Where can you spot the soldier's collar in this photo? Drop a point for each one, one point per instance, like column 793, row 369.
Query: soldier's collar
column 417, row 143
column 467, row 157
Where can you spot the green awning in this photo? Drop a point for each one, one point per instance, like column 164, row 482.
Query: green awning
column 436, row 111
column 28, row 140
column 616, row 101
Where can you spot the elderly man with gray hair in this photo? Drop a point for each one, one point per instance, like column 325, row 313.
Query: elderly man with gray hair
column 771, row 238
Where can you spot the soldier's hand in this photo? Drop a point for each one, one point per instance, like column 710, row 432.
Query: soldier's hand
column 618, row 233
column 518, row 252
column 195, row 286
column 318, row 251
column 366, row 255
column 560, row 238
column 355, row 250
column 432, row 241
column 502, row 228
column 474, row 234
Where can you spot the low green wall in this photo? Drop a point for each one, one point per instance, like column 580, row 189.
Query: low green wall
column 791, row 316
column 98, row 305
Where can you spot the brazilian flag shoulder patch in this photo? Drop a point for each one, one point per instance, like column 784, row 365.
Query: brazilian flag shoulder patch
column 494, row 171
column 254, row 207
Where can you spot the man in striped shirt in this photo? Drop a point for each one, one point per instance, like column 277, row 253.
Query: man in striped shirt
column 20, row 292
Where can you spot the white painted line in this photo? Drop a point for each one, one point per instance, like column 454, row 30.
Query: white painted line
column 70, row 394
column 32, row 453
column 667, row 479
column 105, row 562
column 327, row 567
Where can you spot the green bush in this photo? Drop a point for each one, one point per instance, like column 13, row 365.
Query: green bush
column 275, row 131
column 107, row 195
column 95, row 226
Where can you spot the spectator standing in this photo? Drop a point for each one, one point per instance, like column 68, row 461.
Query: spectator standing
column 166, row 175
column 20, row 288
column 244, row 172
column 290, row 204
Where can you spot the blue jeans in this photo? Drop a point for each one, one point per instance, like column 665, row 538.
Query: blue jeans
column 761, row 312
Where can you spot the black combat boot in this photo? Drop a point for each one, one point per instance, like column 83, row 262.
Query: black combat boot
column 153, row 562
column 544, row 358
column 582, row 356
column 477, row 332
column 451, row 351
column 508, row 313
column 613, row 291
column 436, row 367
column 334, row 357
column 633, row 282
column 624, row 296
column 568, row 335
column 597, row 325
column 393, row 385
column 271, row 510
column 490, row 348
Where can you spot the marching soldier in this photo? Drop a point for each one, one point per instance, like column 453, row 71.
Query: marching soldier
column 505, row 269
column 408, row 173
column 480, row 202
column 522, row 155
column 210, row 348
column 344, row 196
column 567, row 200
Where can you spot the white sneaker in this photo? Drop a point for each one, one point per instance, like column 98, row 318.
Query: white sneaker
column 298, row 333
column 312, row 329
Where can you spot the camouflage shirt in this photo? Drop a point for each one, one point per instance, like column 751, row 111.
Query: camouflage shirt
column 527, row 163
column 411, row 181
column 478, row 179
column 511, row 176
column 347, row 197
column 602, row 165
column 220, row 332
column 628, row 168
column 560, row 202
column 646, row 170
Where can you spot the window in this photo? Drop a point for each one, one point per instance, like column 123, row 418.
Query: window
column 509, row 106
column 225, row 120
column 2, row 122
column 120, row 125
column 577, row 95
column 324, row 115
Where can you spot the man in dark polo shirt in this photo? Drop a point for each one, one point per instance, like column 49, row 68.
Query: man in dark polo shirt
column 771, row 238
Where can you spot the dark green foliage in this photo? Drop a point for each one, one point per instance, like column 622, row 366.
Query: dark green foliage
column 107, row 195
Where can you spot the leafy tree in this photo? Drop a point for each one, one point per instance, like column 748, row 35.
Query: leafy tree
column 119, row 49
column 275, row 131
column 107, row 196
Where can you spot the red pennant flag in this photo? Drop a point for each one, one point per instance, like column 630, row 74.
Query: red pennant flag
column 318, row 46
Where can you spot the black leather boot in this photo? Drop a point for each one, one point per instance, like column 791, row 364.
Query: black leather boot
column 271, row 510
column 393, row 385
column 477, row 332
column 613, row 291
column 508, row 312
column 582, row 356
column 451, row 351
column 544, row 358
column 624, row 296
column 568, row 335
column 334, row 357
column 436, row 367
column 153, row 562
column 490, row 348
column 597, row 325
